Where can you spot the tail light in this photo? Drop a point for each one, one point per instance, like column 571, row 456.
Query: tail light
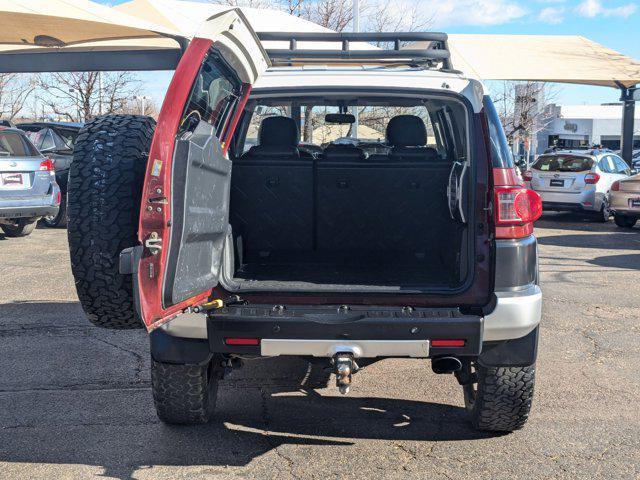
column 46, row 165
column 58, row 198
column 527, row 175
column 515, row 207
column 615, row 186
column 591, row 178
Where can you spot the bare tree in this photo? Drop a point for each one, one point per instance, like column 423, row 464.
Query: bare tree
column 395, row 16
column 80, row 96
column 135, row 106
column 248, row 3
column 15, row 89
column 523, row 111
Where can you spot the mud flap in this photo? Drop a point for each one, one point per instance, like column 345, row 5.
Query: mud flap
column 519, row 352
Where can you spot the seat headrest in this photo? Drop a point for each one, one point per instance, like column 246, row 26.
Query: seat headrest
column 273, row 152
column 414, row 154
column 406, row 131
column 278, row 131
column 343, row 153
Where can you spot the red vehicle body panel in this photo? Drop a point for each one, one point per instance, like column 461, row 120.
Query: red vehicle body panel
column 157, row 188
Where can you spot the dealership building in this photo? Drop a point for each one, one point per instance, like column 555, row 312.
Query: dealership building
column 575, row 126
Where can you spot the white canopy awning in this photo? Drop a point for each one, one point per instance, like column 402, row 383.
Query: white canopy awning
column 68, row 35
column 59, row 23
column 64, row 35
column 186, row 16
column 545, row 58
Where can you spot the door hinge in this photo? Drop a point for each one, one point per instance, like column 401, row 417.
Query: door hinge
column 153, row 243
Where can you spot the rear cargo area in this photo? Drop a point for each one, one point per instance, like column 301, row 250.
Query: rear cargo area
column 344, row 225
column 349, row 217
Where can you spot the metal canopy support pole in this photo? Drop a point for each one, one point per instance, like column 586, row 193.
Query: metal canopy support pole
column 296, row 114
column 628, row 113
column 356, row 29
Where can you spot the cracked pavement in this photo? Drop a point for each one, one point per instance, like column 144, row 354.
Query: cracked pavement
column 75, row 400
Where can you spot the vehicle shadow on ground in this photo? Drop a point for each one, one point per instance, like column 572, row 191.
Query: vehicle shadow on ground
column 572, row 221
column 610, row 241
column 266, row 404
column 618, row 261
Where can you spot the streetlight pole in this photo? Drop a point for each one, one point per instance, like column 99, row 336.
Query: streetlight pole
column 142, row 99
column 99, row 93
column 76, row 100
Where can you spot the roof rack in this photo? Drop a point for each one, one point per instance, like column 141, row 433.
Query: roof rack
column 436, row 50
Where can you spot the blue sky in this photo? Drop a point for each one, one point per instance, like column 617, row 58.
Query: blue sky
column 613, row 23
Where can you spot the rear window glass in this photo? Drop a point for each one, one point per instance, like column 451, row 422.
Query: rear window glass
column 13, row 145
column 563, row 163
column 500, row 151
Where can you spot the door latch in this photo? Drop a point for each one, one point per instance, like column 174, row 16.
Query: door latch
column 153, row 243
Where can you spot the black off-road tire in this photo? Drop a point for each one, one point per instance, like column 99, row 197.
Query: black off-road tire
column 185, row 394
column 104, row 193
column 625, row 222
column 60, row 220
column 22, row 228
column 499, row 399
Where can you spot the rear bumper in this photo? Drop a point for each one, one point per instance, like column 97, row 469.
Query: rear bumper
column 619, row 202
column 30, row 207
column 517, row 313
column 635, row 213
column 323, row 331
column 358, row 348
column 586, row 200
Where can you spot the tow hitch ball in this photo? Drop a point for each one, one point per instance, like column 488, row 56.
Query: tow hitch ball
column 344, row 367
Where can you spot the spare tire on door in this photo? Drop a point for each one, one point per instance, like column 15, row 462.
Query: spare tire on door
column 105, row 189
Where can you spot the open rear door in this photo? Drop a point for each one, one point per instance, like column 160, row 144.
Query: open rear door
column 185, row 202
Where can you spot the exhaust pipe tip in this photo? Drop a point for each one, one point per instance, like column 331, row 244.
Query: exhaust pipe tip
column 443, row 365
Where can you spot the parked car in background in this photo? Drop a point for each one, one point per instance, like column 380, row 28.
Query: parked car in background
column 28, row 188
column 577, row 181
column 635, row 160
column 56, row 140
column 624, row 201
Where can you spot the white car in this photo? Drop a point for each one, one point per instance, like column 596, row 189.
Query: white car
column 576, row 180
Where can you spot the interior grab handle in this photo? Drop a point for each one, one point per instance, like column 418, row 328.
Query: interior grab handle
column 459, row 191
column 452, row 190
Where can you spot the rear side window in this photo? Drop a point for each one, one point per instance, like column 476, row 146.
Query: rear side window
column 563, row 163
column 47, row 141
column 13, row 144
column 500, row 151
column 213, row 95
column 621, row 165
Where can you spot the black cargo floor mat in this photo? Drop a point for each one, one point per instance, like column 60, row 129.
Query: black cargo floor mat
column 334, row 275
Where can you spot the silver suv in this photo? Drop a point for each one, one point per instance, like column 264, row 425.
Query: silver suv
column 576, row 180
column 28, row 188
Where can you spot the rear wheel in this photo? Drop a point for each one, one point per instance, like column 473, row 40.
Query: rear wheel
column 625, row 222
column 105, row 189
column 21, row 228
column 498, row 398
column 60, row 219
column 185, row 394
column 604, row 215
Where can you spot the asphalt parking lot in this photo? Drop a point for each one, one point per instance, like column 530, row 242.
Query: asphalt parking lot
column 75, row 400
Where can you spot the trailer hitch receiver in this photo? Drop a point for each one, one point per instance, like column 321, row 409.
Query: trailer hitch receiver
column 344, row 368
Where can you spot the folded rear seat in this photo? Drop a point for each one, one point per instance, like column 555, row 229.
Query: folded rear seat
column 388, row 203
column 272, row 193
